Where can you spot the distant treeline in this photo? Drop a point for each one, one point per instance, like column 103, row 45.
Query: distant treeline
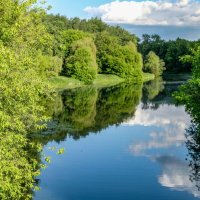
column 169, row 51
column 115, row 48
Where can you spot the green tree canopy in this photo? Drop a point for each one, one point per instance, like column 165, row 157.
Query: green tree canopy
column 153, row 64
column 80, row 60
column 121, row 60
column 23, row 38
column 189, row 94
column 169, row 51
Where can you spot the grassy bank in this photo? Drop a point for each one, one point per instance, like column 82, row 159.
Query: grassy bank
column 62, row 82
column 106, row 80
column 102, row 80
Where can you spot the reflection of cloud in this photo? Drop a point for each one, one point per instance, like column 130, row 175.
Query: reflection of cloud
column 168, row 124
column 164, row 115
column 175, row 175
column 166, row 12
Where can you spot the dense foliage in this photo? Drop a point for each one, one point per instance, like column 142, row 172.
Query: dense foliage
column 189, row 93
column 115, row 55
column 115, row 47
column 80, row 61
column 121, row 60
column 169, row 51
column 23, row 39
column 153, row 64
column 58, row 23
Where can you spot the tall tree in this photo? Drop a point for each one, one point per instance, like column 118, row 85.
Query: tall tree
column 153, row 64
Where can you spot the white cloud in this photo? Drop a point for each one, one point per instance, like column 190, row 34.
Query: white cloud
column 182, row 12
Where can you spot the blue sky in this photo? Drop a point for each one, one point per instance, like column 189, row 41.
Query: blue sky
column 73, row 8
column 169, row 18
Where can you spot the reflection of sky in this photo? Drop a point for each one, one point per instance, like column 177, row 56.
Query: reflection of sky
column 168, row 125
column 145, row 153
column 175, row 175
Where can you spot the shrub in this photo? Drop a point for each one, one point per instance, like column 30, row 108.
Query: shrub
column 81, row 62
column 113, row 58
column 153, row 64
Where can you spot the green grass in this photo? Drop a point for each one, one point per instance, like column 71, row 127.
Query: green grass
column 148, row 77
column 102, row 80
column 62, row 82
column 105, row 80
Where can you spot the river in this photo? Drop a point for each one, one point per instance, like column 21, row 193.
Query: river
column 121, row 143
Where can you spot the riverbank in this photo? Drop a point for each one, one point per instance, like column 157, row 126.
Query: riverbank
column 102, row 80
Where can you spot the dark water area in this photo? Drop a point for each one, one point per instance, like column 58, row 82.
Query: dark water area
column 121, row 143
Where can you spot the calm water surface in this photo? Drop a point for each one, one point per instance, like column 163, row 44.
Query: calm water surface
column 122, row 143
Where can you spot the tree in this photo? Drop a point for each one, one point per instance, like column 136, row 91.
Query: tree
column 23, row 38
column 169, row 51
column 114, row 58
column 56, row 24
column 81, row 61
column 189, row 93
column 176, row 49
column 194, row 59
column 153, row 64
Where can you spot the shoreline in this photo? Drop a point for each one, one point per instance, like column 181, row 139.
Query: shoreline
column 102, row 80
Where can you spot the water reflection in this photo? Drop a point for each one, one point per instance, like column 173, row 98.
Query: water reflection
column 150, row 91
column 158, row 92
column 170, row 132
column 162, row 140
column 80, row 111
column 166, row 131
column 189, row 177
column 175, row 175
column 163, row 143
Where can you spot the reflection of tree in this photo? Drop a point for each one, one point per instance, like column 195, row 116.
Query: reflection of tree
column 153, row 88
column 193, row 146
column 151, row 91
column 79, row 110
column 116, row 104
column 87, row 110
column 156, row 93
column 189, row 96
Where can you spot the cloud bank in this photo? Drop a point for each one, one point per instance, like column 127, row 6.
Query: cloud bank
column 178, row 13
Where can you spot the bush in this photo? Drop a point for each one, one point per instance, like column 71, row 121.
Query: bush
column 113, row 58
column 49, row 65
column 153, row 64
column 69, row 37
column 81, row 62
